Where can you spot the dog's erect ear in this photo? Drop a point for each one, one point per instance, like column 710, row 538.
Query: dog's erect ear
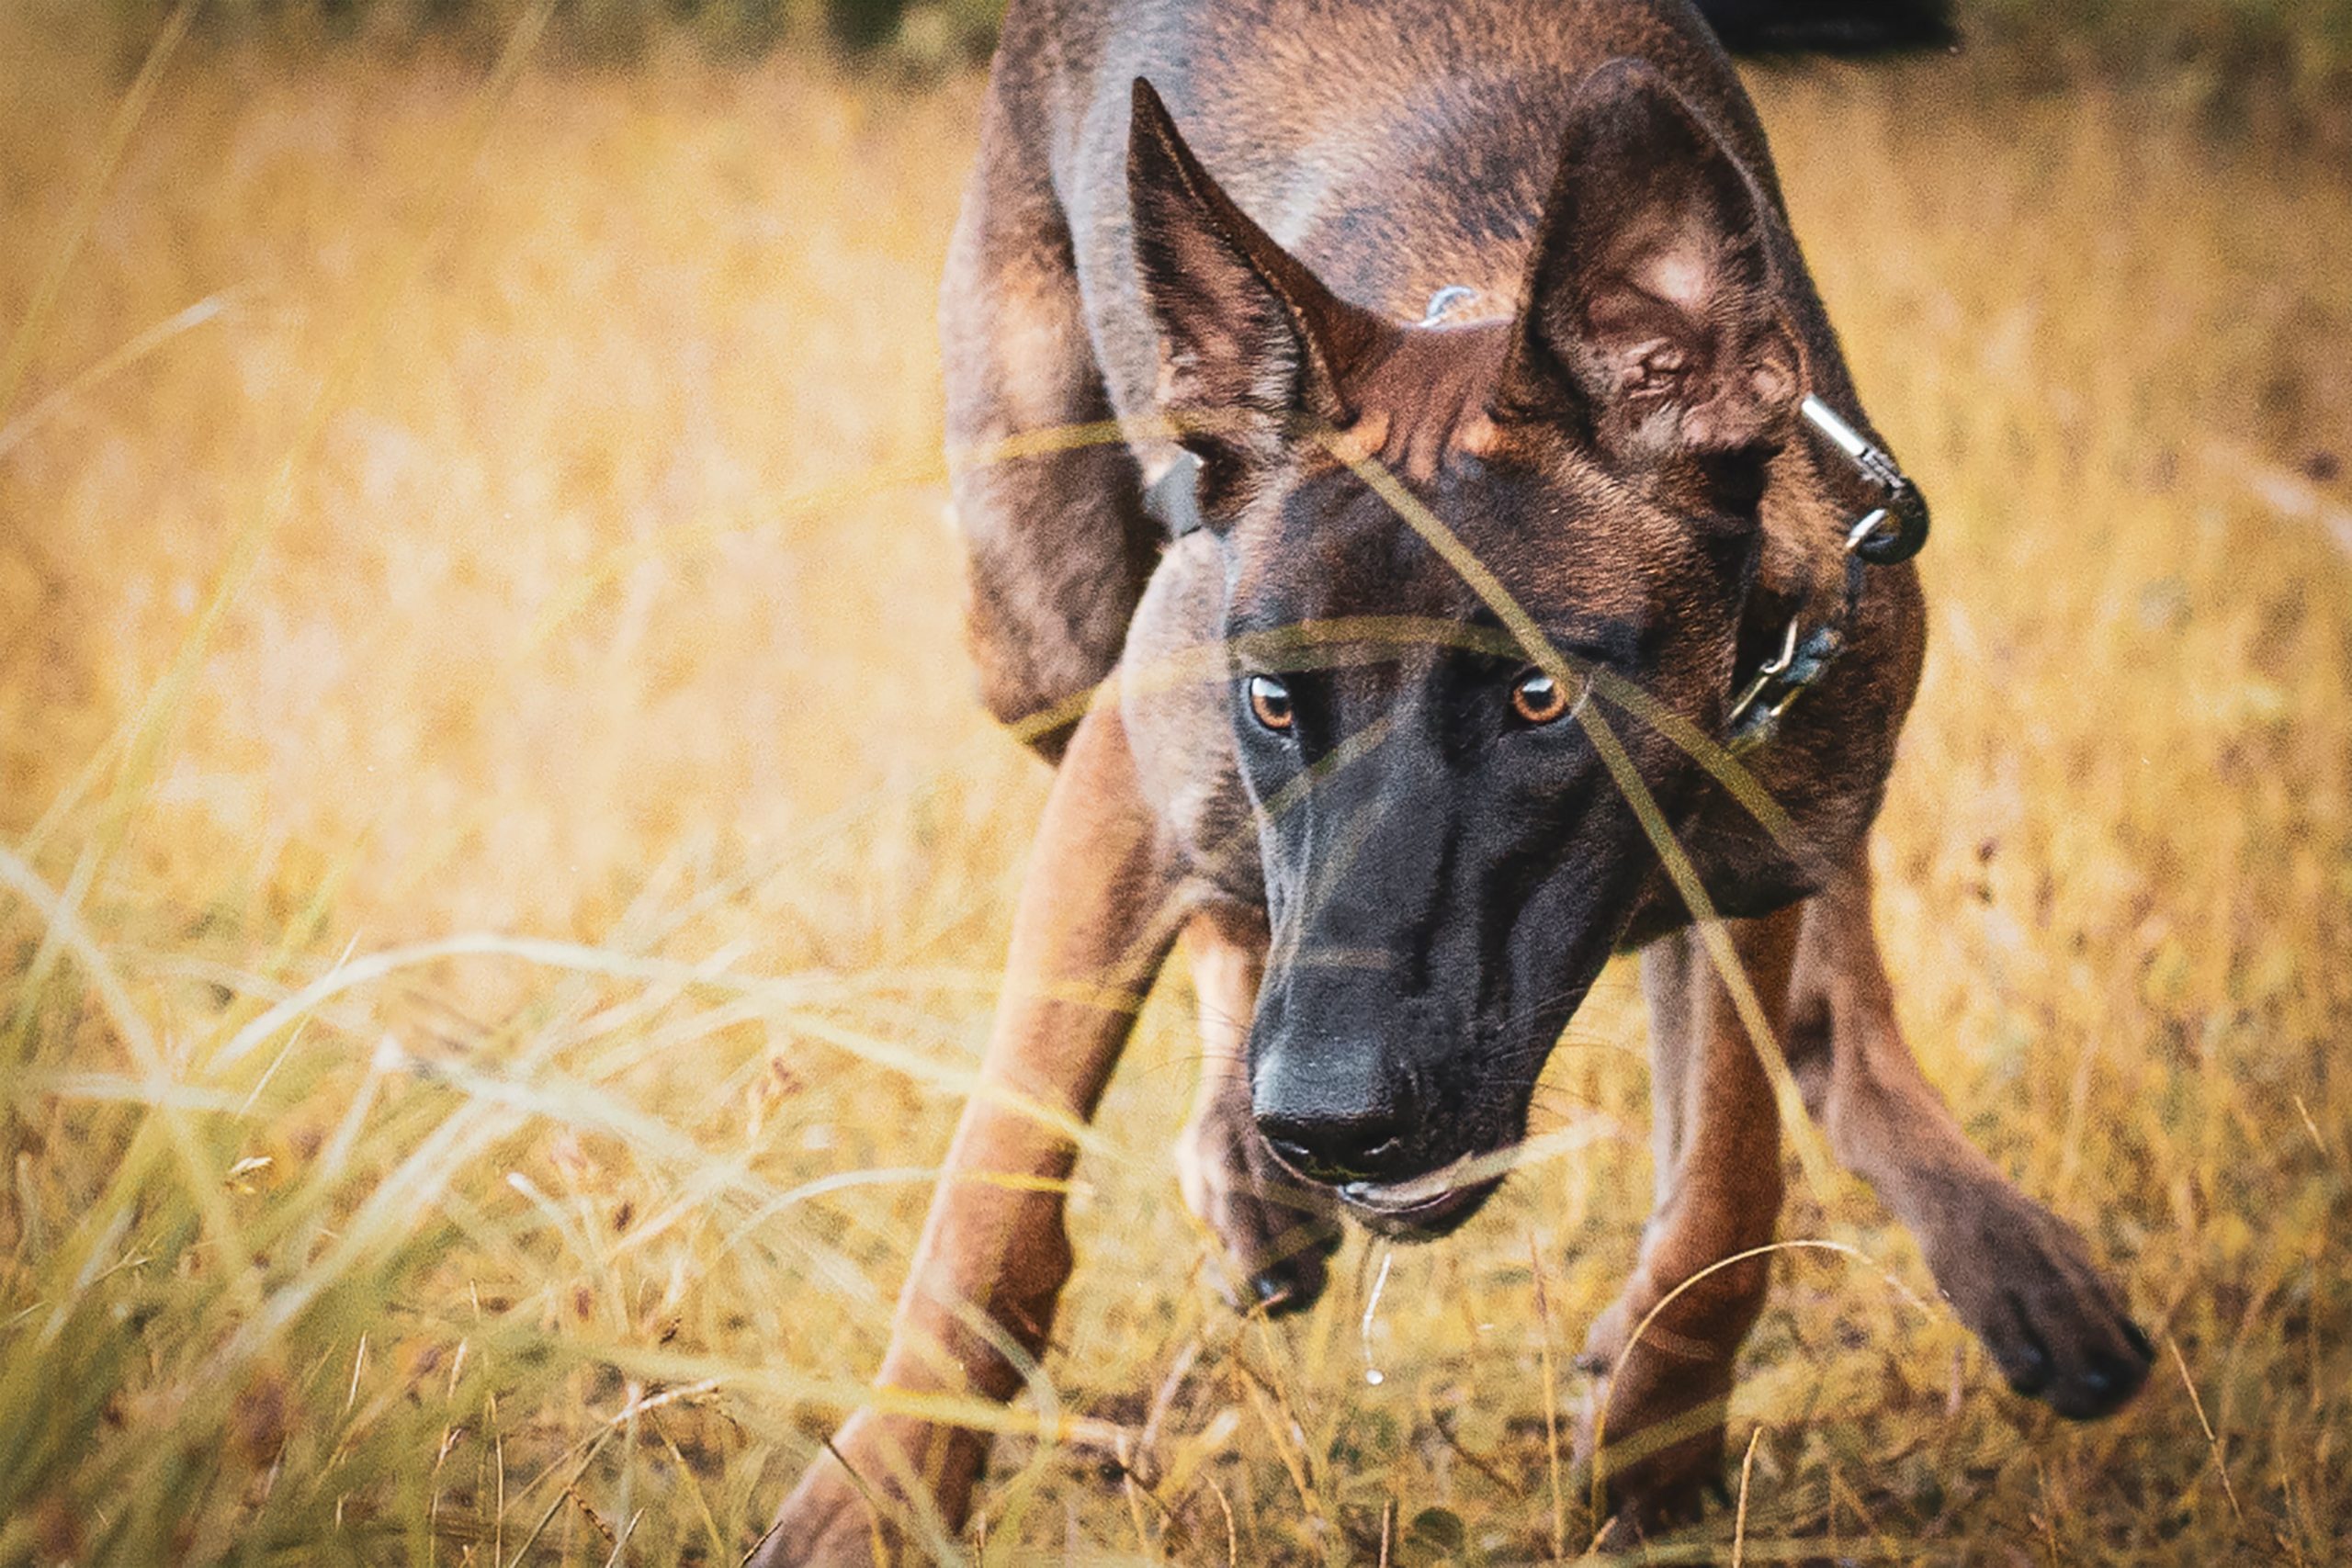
column 1650, row 304
column 1250, row 342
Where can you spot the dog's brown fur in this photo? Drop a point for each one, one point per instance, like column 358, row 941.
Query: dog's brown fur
column 1339, row 164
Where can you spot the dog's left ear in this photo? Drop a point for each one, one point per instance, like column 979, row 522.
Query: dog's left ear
column 1650, row 307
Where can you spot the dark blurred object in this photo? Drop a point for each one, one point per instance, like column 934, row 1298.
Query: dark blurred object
column 1830, row 27
column 862, row 25
column 2274, row 71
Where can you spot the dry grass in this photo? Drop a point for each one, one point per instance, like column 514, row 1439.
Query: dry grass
column 563, row 602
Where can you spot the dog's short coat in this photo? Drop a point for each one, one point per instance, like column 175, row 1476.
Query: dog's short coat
column 1397, row 841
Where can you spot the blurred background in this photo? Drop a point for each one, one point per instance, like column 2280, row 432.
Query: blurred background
column 501, row 874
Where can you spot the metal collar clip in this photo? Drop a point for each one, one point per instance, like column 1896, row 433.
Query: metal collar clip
column 1896, row 529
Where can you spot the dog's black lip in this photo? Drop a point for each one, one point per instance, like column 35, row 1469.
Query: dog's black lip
column 1427, row 1220
column 1440, row 1215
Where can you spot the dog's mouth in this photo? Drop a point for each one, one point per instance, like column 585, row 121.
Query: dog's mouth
column 1427, row 1206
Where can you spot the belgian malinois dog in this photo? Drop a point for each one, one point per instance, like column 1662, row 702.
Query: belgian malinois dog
column 1488, row 491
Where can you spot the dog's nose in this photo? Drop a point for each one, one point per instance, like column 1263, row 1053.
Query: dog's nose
column 1333, row 1145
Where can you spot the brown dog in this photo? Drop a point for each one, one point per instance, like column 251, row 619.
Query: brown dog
column 1417, row 676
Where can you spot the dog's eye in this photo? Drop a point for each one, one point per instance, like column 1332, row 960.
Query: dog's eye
column 1537, row 698
column 1270, row 702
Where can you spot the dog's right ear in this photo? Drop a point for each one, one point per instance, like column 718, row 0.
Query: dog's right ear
column 1251, row 344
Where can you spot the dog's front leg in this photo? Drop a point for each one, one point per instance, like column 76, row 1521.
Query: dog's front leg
column 1668, row 1344
column 1096, row 916
column 1276, row 1230
column 2019, row 1276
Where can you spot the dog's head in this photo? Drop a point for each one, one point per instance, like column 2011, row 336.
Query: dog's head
column 1447, row 859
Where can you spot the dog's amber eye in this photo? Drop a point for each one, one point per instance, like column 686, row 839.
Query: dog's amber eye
column 1270, row 702
column 1538, row 698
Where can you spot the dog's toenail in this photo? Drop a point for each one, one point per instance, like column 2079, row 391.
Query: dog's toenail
column 2114, row 1380
column 2032, row 1374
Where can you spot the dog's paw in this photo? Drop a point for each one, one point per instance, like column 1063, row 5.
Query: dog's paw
column 1276, row 1231
column 1662, row 1459
column 2023, row 1281
column 837, row 1519
column 1664, row 1358
column 1671, row 1491
column 1643, row 1514
column 826, row 1523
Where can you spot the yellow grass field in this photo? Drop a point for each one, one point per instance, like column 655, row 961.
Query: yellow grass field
column 501, row 874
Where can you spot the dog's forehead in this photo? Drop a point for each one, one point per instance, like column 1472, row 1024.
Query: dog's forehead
column 1422, row 401
column 1561, row 535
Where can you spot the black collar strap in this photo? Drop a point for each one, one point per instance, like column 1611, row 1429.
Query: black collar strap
column 1892, row 531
